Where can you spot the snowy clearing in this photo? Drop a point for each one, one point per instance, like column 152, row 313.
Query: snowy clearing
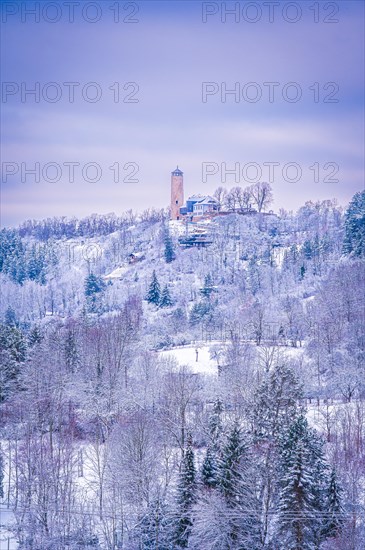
column 196, row 357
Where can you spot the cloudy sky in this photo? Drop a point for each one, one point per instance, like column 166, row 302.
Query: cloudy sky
column 119, row 102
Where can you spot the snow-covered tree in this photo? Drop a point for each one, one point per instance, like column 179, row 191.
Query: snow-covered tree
column 303, row 505
column 208, row 286
column 10, row 318
column 210, row 471
column 334, row 512
column 261, row 194
column 94, row 288
column 2, row 467
column 169, row 247
column 12, row 355
column 154, row 291
column 354, row 240
column 186, row 497
column 166, row 300
column 237, row 486
column 276, row 403
column 155, row 529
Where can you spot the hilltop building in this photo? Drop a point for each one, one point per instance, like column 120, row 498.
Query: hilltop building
column 177, row 193
column 196, row 207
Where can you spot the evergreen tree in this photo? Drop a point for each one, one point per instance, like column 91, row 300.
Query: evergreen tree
column 276, row 403
column 10, row 318
column 308, row 250
column 208, row 286
column 230, row 478
column 334, row 517
column 274, row 408
column 94, row 288
column 36, row 265
column 169, row 247
column 303, row 481
column 2, row 467
column 35, row 336
column 12, row 354
column 236, row 484
column 215, row 422
column 186, row 497
column 12, row 256
column 166, row 300
column 354, row 240
column 154, row 291
column 210, row 466
column 199, row 311
column 72, row 358
column 210, row 471
column 154, row 531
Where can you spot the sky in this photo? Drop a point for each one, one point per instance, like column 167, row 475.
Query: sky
column 126, row 91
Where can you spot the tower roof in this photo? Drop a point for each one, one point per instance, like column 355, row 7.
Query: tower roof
column 177, row 172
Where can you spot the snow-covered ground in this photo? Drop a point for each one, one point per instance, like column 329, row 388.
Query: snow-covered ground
column 196, row 357
column 117, row 273
column 7, row 520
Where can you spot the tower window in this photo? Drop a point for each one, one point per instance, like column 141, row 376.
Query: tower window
column 177, row 202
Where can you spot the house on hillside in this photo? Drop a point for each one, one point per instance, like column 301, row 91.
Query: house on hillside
column 135, row 257
column 206, row 205
column 199, row 206
column 196, row 206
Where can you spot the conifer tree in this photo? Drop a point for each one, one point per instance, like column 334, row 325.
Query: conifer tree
column 166, row 300
column 169, row 247
column 215, row 421
column 210, row 466
column 35, row 336
column 94, row 288
column 208, row 286
column 12, row 354
column 186, row 497
column 237, row 487
column 230, row 477
column 303, row 481
column 334, row 516
column 155, row 529
column 2, row 466
column 210, row 469
column 275, row 406
column 72, row 358
column 154, row 291
column 36, row 265
column 198, row 311
column 296, row 498
column 10, row 318
column 308, row 249
column 354, row 240
column 276, row 403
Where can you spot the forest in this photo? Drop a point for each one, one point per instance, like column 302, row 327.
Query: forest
column 111, row 439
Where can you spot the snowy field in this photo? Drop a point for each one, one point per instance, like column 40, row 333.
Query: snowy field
column 196, row 357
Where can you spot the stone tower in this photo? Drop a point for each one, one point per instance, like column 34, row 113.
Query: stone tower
column 177, row 193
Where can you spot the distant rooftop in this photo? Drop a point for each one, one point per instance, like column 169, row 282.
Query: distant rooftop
column 177, row 172
column 207, row 199
column 195, row 197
